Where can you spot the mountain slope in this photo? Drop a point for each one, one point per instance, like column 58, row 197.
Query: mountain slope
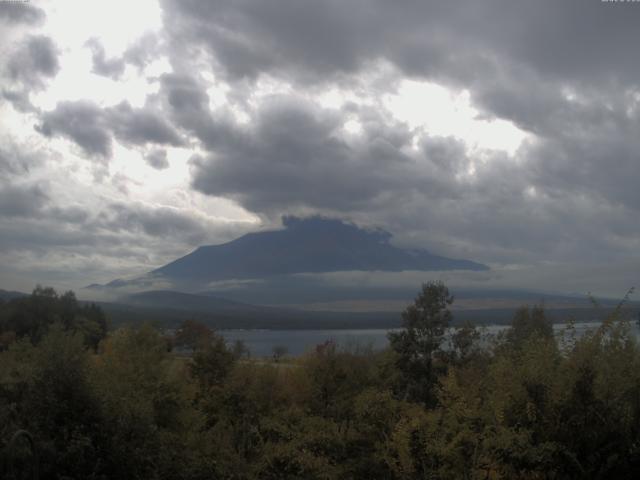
column 312, row 245
column 10, row 295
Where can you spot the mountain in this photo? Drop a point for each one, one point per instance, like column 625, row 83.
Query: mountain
column 10, row 295
column 312, row 245
column 281, row 267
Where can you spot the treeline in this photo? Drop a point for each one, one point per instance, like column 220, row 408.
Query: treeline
column 31, row 317
column 526, row 405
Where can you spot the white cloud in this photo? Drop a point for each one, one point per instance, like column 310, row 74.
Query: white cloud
column 441, row 111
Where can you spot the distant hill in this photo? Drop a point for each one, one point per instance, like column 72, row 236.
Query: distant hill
column 275, row 279
column 312, row 245
column 169, row 308
column 264, row 263
column 9, row 295
column 187, row 302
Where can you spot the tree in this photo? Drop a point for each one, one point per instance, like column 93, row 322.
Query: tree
column 33, row 316
column 91, row 321
column 147, row 405
column 279, row 351
column 240, row 349
column 528, row 322
column 416, row 345
column 212, row 363
column 54, row 402
column 463, row 342
column 192, row 335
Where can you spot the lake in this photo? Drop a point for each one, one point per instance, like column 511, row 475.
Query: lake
column 261, row 342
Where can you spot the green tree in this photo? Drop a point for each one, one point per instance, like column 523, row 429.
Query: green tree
column 32, row 316
column 464, row 343
column 45, row 390
column 279, row 352
column 529, row 322
column 192, row 335
column 418, row 344
column 240, row 349
column 212, row 362
column 146, row 399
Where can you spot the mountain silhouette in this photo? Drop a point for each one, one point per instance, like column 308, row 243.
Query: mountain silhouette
column 309, row 245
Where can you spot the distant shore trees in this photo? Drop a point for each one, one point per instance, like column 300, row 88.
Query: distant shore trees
column 33, row 315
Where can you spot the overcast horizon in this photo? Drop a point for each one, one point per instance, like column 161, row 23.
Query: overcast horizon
column 502, row 132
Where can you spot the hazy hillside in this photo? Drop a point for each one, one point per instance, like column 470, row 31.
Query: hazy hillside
column 169, row 308
column 311, row 245
column 8, row 295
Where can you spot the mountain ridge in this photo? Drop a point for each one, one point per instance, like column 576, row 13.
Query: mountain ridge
column 311, row 245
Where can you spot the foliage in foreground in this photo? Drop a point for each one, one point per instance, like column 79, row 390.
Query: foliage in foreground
column 526, row 405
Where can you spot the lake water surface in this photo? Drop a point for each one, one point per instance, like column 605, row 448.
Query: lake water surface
column 261, row 342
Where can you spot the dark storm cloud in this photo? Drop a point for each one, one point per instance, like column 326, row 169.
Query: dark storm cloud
column 564, row 72
column 187, row 102
column 158, row 222
column 82, row 122
column 295, row 154
column 29, row 220
column 185, row 95
column 107, row 67
column 69, row 215
column 37, row 57
column 599, row 164
column 91, row 127
column 574, row 38
column 30, row 63
column 143, row 50
column 157, row 159
column 515, row 58
column 21, row 12
column 139, row 54
column 249, row 38
column 77, row 246
column 21, row 201
column 19, row 99
column 15, row 161
column 140, row 126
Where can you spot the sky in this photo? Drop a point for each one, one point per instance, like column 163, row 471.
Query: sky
column 500, row 131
